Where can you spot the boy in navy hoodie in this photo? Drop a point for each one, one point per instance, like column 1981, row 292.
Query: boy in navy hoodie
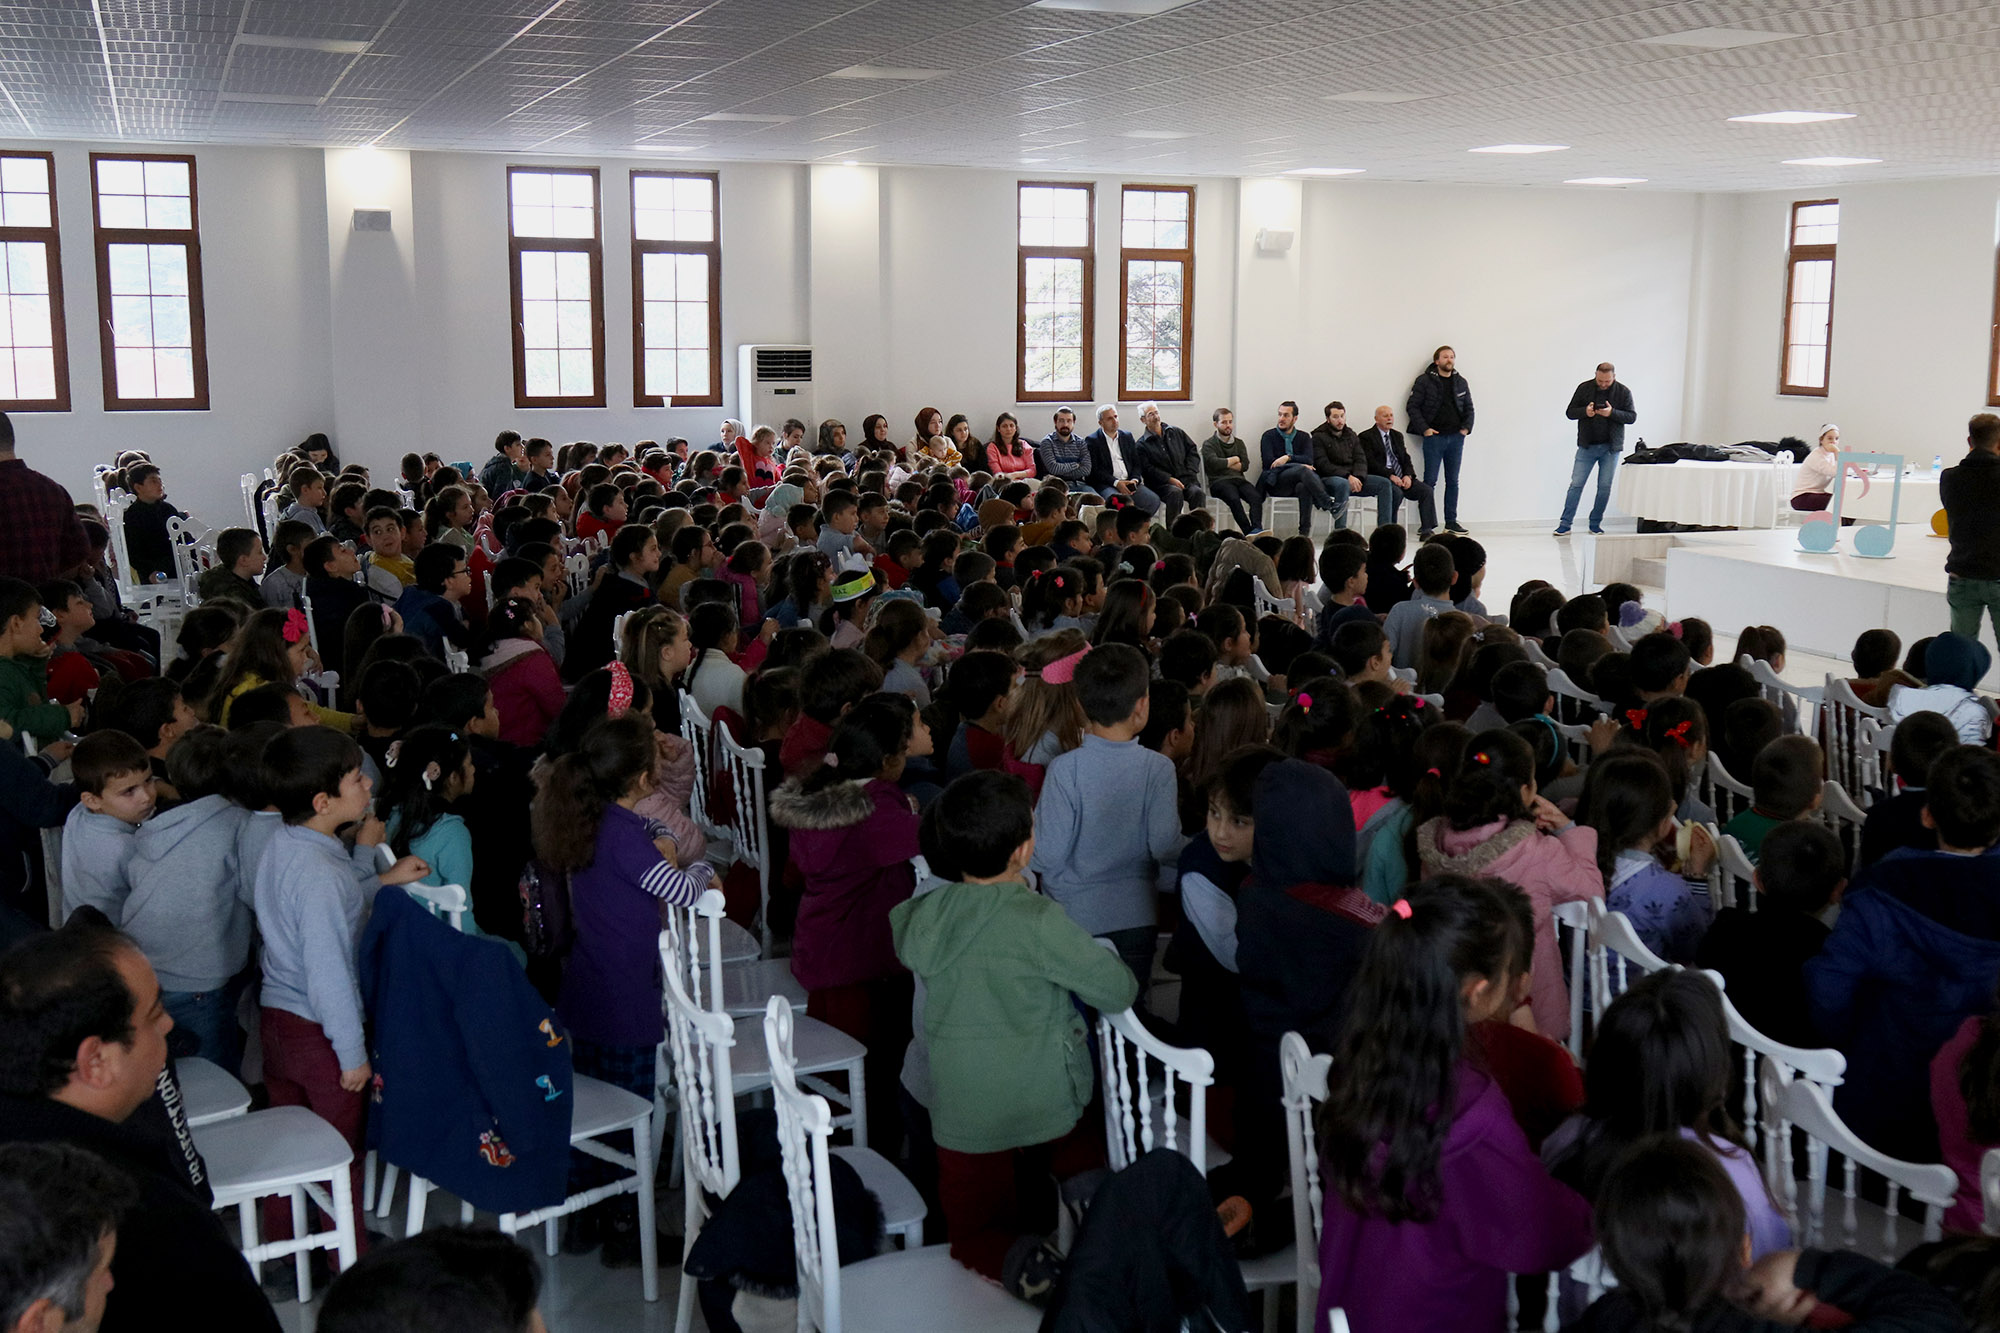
column 1914, row 954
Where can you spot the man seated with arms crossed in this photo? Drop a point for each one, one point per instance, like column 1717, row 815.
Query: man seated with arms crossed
column 83, row 1040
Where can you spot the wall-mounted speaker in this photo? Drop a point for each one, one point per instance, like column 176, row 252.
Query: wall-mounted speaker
column 372, row 219
column 1274, row 240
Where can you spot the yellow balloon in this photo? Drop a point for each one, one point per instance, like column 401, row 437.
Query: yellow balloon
column 1940, row 525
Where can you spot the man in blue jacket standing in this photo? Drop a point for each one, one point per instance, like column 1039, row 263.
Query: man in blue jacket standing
column 1914, row 954
column 1114, row 464
column 1440, row 411
column 1602, row 409
column 1287, row 458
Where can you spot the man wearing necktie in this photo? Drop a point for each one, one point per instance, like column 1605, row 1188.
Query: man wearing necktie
column 1388, row 458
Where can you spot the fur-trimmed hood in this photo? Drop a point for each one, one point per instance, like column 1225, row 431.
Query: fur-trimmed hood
column 842, row 805
column 1445, row 850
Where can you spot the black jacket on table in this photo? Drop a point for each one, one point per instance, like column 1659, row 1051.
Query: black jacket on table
column 1338, row 453
column 1427, row 400
column 1378, row 453
column 1600, row 429
column 1170, row 456
column 172, row 1251
column 1970, row 493
column 1875, row 1298
column 1100, row 458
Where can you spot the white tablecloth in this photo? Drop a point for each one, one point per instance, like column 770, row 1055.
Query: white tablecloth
column 1752, row 495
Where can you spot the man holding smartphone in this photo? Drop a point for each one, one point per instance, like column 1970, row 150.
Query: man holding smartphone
column 1601, row 407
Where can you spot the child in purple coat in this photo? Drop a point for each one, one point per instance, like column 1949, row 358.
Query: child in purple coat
column 1432, row 1194
column 1630, row 801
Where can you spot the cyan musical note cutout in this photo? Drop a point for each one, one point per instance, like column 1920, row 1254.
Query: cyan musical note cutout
column 1821, row 532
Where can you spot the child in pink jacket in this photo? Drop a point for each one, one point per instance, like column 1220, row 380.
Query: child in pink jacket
column 1495, row 825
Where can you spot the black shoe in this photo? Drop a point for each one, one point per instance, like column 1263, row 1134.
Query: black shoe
column 583, row 1231
column 621, row 1233
column 1031, row 1270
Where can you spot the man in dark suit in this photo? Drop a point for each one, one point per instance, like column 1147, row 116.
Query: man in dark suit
column 1114, row 464
column 1601, row 407
column 1170, row 463
column 1388, row 458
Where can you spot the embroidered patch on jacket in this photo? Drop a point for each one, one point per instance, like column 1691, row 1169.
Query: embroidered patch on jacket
column 549, row 1090
column 548, row 1029
column 495, row 1150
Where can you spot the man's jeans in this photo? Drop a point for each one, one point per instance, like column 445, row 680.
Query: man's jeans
column 1605, row 459
column 1142, row 496
column 1445, row 450
column 210, row 1017
column 1175, row 498
column 1967, row 598
column 1384, row 491
column 1299, row 480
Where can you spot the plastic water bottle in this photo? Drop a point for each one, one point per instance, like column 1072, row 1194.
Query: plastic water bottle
column 1937, row 464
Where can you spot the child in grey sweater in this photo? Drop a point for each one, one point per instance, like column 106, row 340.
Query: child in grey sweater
column 1405, row 624
column 114, row 782
column 1107, row 827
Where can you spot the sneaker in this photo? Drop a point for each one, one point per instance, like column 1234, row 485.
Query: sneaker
column 1597, row 532
column 1234, row 1214
column 1453, row 529
column 1562, row 531
column 1427, row 534
column 1031, row 1270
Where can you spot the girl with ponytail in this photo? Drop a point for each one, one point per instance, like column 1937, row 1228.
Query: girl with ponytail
column 1495, row 823
column 1432, row 1194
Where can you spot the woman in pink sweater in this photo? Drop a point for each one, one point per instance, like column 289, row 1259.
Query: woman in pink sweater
column 1495, row 825
column 1008, row 456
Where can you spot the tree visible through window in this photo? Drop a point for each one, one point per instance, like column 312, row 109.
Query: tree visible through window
column 34, row 360
column 149, row 282
column 1156, row 291
column 1055, row 289
column 677, row 286
column 1808, row 334
column 557, row 257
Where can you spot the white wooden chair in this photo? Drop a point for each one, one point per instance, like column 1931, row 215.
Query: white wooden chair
column 1533, row 648
column 1128, row 1054
column 1843, row 818
column 698, row 729
column 699, row 1044
column 1727, row 795
column 101, row 487
column 695, row 934
column 1615, row 948
column 283, row 1150
column 904, row 1291
column 1305, row 1088
column 1876, row 740
column 193, row 548
column 1799, row 703
column 1575, row 918
column 618, row 636
column 1576, row 741
column 1841, row 716
column 1270, row 605
column 209, row 1093
column 1572, row 699
column 456, row 659
column 749, row 820
column 158, row 605
column 1735, row 877
column 247, row 483
column 1826, row 1067
column 576, row 571
column 1804, row 1105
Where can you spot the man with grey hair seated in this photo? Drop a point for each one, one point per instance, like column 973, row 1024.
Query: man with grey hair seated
column 1170, row 462
column 1114, row 464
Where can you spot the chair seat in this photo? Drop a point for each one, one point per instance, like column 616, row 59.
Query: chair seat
column 266, row 1151
column 924, row 1290
column 208, row 1093
column 1279, row 1269
column 902, row 1206
column 738, row 944
column 816, row 1046
column 748, row 986
column 601, row 1108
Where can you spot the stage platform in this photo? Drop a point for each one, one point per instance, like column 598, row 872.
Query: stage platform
column 1822, row 603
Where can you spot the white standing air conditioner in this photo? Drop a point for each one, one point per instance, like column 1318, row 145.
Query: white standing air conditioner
column 775, row 381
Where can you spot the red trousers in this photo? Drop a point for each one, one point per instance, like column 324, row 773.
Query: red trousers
column 300, row 1069
column 876, row 1014
column 991, row 1199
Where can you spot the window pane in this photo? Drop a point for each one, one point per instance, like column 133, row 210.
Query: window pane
column 29, row 316
column 692, row 330
column 115, row 176
column 154, row 195
column 24, row 175
column 132, row 321
column 28, row 266
column 538, row 275
column 1055, row 215
column 573, row 276
column 123, row 210
column 694, row 194
column 691, row 273
column 1817, row 224
column 576, row 374
column 573, row 190
column 168, row 214
column 34, row 373
column 660, row 374
column 541, row 374
column 694, row 370
column 538, row 323
column 575, row 222
column 573, row 324
column 135, row 372
column 166, row 178
column 129, row 270
column 175, row 374
column 652, row 192
column 167, row 269
column 531, row 187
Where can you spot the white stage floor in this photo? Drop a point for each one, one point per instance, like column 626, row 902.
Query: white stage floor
column 1822, row 603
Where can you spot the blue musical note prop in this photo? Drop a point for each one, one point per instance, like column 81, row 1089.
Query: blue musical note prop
column 1875, row 541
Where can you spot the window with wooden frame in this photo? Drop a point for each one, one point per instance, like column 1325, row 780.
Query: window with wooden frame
column 1808, row 331
column 555, row 251
column 34, row 356
column 676, row 289
column 1055, row 288
column 1993, row 349
column 149, row 309
column 1156, row 292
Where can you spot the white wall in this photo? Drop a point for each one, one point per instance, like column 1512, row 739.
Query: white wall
column 265, row 293
column 1912, row 317
column 903, row 279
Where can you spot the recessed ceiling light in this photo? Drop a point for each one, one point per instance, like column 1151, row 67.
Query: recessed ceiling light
column 664, row 147
column 1831, row 161
column 746, row 117
column 1607, row 180
column 1792, row 117
column 1326, row 171
column 1138, row 7
column 1379, row 95
column 1033, row 161
column 337, row 46
column 885, row 72
column 1157, row 134
column 1715, row 39
column 849, row 162
column 1522, row 148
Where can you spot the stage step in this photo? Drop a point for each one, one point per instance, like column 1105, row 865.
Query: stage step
column 1650, row 572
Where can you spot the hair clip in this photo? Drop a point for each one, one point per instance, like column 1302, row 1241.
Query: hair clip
column 431, row 774
column 1481, row 757
column 621, row 691
column 1636, row 716
column 1673, row 627
column 1159, row 565
column 831, row 760
column 295, row 625
column 1401, row 907
column 1679, row 731
column 1416, row 701
column 1434, row 772
column 386, row 614
column 1063, row 670
column 1304, row 701
column 392, row 754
